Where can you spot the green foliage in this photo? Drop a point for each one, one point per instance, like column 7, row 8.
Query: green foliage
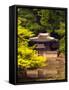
column 62, row 45
column 27, row 58
column 44, row 17
column 34, row 26
column 25, row 33
column 61, row 31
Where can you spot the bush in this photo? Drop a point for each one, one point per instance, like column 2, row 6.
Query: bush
column 27, row 58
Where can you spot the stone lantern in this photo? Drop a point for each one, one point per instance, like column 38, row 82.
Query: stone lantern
column 46, row 45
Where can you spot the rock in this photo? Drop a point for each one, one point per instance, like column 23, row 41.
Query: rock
column 32, row 73
column 51, row 73
column 42, row 73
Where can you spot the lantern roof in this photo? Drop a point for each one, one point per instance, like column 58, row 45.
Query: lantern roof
column 43, row 37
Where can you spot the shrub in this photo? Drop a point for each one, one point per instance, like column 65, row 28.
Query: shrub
column 27, row 58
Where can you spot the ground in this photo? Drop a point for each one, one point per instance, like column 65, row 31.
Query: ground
column 55, row 70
